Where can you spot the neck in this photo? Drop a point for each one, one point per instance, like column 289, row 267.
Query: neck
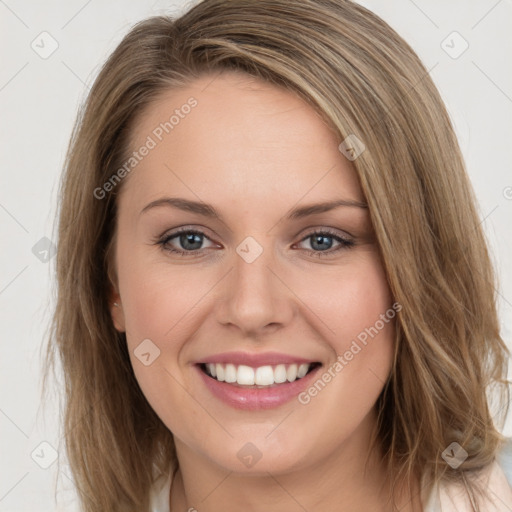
column 339, row 482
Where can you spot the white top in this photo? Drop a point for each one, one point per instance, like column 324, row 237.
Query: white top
column 443, row 498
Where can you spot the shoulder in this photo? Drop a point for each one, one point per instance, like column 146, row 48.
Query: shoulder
column 496, row 479
column 159, row 494
column 504, row 460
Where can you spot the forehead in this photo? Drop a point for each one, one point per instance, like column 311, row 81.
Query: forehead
column 235, row 137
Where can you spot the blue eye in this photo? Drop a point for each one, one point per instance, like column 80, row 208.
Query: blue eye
column 321, row 239
column 191, row 240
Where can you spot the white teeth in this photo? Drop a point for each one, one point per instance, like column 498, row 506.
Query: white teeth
column 303, row 369
column 230, row 373
column 220, row 372
column 261, row 376
column 280, row 374
column 264, row 376
column 291, row 373
column 245, row 375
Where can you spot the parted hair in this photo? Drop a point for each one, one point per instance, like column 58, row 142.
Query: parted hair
column 364, row 80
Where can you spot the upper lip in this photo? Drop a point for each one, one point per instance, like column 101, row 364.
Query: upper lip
column 253, row 359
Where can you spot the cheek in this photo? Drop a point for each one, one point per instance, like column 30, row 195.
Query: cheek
column 166, row 305
column 159, row 299
column 358, row 322
column 159, row 307
column 365, row 299
column 350, row 300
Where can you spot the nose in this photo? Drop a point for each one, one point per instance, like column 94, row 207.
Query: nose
column 254, row 296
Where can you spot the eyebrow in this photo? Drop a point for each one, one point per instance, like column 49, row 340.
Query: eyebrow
column 209, row 211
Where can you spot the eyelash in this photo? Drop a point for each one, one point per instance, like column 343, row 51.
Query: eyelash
column 344, row 242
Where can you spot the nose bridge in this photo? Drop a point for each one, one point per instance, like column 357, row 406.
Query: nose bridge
column 252, row 276
column 255, row 297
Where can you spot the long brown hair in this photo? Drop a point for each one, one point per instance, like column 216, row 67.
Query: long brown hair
column 363, row 79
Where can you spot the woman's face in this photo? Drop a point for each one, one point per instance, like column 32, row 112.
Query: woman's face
column 267, row 286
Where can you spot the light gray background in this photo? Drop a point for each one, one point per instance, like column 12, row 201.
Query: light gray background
column 38, row 103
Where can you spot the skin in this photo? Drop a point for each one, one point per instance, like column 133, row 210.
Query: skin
column 254, row 152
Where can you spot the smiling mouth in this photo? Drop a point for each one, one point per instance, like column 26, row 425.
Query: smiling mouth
column 261, row 377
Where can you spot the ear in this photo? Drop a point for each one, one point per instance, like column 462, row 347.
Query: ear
column 116, row 311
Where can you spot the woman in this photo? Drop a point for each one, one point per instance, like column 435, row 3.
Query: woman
column 257, row 369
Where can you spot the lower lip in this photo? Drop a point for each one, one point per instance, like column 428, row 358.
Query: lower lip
column 257, row 398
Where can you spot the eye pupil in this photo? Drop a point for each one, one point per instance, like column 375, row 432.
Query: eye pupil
column 189, row 237
column 319, row 239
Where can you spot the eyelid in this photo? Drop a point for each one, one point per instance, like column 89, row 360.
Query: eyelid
column 345, row 242
column 326, row 229
column 306, row 234
column 166, row 236
column 201, row 230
